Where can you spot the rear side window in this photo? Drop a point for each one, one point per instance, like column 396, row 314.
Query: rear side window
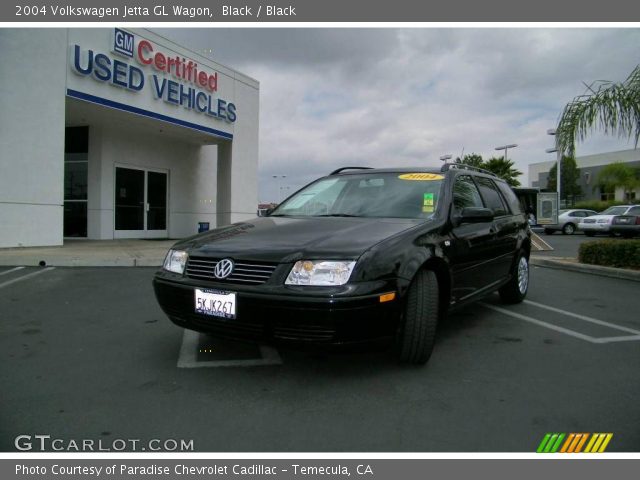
column 465, row 193
column 511, row 198
column 634, row 211
column 491, row 196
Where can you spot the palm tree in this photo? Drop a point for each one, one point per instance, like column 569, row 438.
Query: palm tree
column 504, row 169
column 613, row 107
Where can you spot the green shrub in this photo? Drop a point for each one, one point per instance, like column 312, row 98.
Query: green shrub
column 611, row 253
column 597, row 205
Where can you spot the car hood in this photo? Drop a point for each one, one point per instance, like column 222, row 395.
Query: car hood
column 288, row 239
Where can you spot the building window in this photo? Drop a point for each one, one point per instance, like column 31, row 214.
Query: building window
column 607, row 197
column 76, row 162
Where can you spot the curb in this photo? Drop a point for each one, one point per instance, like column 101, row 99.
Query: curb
column 585, row 268
column 80, row 262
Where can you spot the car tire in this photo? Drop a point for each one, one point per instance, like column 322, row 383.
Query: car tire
column 569, row 229
column 418, row 332
column 590, row 234
column 518, row 286
column 548, row 231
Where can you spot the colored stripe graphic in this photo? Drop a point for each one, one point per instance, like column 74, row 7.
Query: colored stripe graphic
column 598, row 443
column 550, row 443
column 574, row 443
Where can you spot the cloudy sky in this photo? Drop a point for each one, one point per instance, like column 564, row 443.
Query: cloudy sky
column 405, row 97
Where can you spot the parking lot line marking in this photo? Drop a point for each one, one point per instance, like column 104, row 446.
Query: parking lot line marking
column 9, row 271
column 550, row 326
column 627, row 338
column 583, row 317
column 24, row 277
column 187, row 358
column 572, row 333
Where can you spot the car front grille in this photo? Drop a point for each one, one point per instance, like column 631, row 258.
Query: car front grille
column 244, row 272
column 302, row 332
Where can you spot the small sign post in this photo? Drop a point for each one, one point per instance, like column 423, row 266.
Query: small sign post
column 547, row 208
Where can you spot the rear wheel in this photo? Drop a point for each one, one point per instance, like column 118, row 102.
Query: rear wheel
column 569, row 229
column 418, row 333
column 518, row 286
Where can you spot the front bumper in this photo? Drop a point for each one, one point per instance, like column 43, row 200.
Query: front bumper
column 281, row 314
column 594, row 227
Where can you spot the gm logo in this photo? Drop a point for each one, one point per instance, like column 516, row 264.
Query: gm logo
column 123, row 42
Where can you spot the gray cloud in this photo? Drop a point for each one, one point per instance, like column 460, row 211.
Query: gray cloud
column 386, row 97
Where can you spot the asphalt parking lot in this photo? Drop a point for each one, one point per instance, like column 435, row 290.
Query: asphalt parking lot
column 87, row 354
column 568, row 245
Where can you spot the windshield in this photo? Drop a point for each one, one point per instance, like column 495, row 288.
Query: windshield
column 614, row 211
column 411, row 195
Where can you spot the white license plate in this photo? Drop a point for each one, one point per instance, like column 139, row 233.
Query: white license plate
column 216, row 303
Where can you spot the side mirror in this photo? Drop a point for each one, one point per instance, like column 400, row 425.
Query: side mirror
column 474, row 215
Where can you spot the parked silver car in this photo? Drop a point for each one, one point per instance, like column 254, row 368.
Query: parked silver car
column 568, row 221
column 601, row 223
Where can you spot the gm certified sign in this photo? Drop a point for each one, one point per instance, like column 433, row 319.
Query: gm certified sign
column 123, row 42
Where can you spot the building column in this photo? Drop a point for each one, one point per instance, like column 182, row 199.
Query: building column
column 237, row 198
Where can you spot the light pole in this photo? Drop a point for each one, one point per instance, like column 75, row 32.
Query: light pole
column 552, row 131
column 506, row 149
column 278, row 179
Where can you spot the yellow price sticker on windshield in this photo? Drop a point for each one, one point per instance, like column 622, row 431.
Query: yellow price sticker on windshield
column 420, row 176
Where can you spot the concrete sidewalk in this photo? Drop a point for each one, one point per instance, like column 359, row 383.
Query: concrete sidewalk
column 90, row 253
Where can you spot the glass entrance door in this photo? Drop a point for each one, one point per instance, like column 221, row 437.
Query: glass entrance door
column 140, row 203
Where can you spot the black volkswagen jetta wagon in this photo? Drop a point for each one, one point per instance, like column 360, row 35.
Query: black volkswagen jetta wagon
column 360, row 255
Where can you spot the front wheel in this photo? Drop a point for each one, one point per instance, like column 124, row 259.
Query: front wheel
column 518, row 286
column 418, row 332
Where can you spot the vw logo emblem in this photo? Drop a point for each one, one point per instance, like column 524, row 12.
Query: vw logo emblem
column 223, row 268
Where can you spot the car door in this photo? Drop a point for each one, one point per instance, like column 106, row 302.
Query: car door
column 506, row 226
column 472, row 245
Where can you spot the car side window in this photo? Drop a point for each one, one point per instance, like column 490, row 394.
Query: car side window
column 634, row 211
column 465, row 194
column 510, row 197
column 491, row 196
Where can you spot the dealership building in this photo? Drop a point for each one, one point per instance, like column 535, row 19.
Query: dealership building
column 589, row 167
column 114, row 133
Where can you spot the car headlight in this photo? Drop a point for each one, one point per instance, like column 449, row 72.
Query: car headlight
column 175, row 261
column 604, row 220
column 320, row 272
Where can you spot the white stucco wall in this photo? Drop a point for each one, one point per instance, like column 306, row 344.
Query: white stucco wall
column 32, row 75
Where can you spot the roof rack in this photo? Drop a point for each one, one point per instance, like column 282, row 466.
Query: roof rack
column 335, row 172
column 464, row 166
